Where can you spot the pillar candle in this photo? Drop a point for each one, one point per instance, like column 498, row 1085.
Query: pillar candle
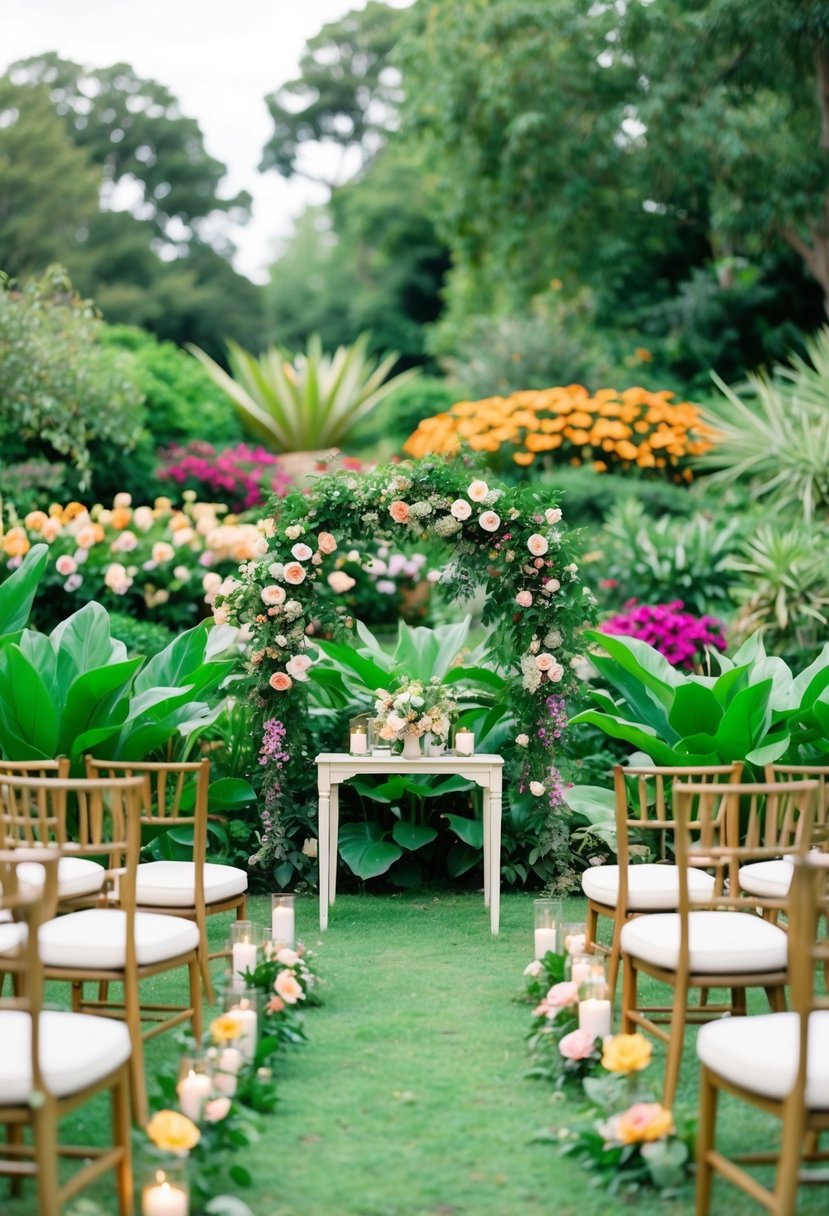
column 246, row 1041
column 282, row 926
column 545, row 939
column 244, row 957
column 580, row 972
column 595, row 1017
column 225, row 1078
column 358, row 743
column 164, row 1199
column 193, row 1091
column 464, row 742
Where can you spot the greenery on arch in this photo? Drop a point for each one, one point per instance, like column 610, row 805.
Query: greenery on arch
column 510, row 540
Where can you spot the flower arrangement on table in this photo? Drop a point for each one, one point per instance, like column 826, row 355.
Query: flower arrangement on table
column 509, row 538
column 414, row 709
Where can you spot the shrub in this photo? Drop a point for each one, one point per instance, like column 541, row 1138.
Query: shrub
column 404, row 409
column 681, row 637
column 630, row 430
column 242, row 477
column 61, row 392
column 139, row 637
column 587, row 497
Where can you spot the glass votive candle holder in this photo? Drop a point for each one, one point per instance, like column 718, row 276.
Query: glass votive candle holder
column 165, row 1191
column 546, row 919
column 244, row 1008
column 283, row 921
column 578, row 967
column 194, row 1086
column 243, row 951
column 595, row 1008
column 573, row 937
column 379, row 746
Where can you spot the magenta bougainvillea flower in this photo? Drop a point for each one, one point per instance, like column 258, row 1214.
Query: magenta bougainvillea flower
column 680, row 636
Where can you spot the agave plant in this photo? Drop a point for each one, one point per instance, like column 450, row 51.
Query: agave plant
column 774, row 432
column 311, row 402
column 785, row 583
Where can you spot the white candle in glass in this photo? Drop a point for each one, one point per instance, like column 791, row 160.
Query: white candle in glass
column 164, row 1199
column 595, row 1017
column 464, row 742
column 580, row 972
column 282, row 926
column 358, row 742
column 574, row 943
column 193, row 1091
column 225, row 1079
column 545, row 939
column 244, row 957
column 247, row 1020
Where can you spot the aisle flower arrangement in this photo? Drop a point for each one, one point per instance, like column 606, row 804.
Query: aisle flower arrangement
column 511, row 539
column 629, row 430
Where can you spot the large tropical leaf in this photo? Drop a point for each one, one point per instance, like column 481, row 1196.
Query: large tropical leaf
column 96, row 699
column 365, row 850
column 82, row 642
column 17, row 592
column 28, row 715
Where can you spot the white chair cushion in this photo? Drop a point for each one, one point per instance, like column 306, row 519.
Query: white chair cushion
column 651, row 887
column 769, row 878
column 172, row 884
column 95, row 938
column 76, row 1050
column 12, row 937
column 737, row 942
column 76, row 876
column 761, row 1054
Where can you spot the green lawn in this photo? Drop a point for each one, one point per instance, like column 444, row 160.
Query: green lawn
column 409, row 1098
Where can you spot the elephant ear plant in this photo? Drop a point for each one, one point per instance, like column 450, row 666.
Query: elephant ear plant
column 755, row 710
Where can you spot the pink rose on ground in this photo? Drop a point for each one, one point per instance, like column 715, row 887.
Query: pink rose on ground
column 340, row 582
column 217, row 1109
column 543, row 1010
column 524, row 599
column 297, row 667
column 478, row 490
column 280, row 681
column 489, row 521
column 399, row 511
column 460, row 509
column 302, row 552
column 537, row 545
column 275, row 1005
column 577, row 1045
column 287, row 986
column 561, row 995
column 294, row 574
column 288, row 958
column 552, row 515
column 271, row 595
column 326, row 542
column 534, row 968
column 66, row 564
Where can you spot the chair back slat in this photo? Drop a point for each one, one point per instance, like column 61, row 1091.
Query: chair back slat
column 169, row 783
column 815, row 772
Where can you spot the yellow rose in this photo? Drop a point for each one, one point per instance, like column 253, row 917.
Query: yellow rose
column 643, row 1122
column 173, row 1132
column 225, row 1028
column 626, row 1053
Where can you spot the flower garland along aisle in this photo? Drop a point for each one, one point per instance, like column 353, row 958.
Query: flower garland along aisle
column 626, row 1138
column 216, row 1107
column 510, row 539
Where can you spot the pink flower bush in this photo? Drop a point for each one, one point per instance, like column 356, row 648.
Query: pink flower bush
column 680, row 636
column 241, row 476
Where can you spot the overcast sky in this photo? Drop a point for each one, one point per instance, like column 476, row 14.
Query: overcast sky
column 219, row 57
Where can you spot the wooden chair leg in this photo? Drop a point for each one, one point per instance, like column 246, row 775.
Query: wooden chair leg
column 738, row 1002
column 204, row 962
column 777, row 998
column 676, row 1042
column 138, row 1078
column 77, row 995
column 242, row 909
column 195, row 998
column 14, row 1136
column 591, row 927
column 615, row 957
column 45, row 1131
column 122, row 1136
column 629, row 999
column 788, row 1164
column 706, row 1128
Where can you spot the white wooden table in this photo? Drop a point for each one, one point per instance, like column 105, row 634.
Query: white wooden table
column 335, row 767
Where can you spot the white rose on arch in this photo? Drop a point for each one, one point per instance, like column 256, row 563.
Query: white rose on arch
column 537, row 788
column 298, row 667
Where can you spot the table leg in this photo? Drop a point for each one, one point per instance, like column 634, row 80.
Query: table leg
column 495, row 853
column 323, row 845
column 333, row 843
column 485, row 814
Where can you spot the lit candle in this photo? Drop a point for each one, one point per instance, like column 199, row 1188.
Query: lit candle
column 464, row 742
column 545, row 939
column 282, row 926
column 574, row 943
column 246, row 1017
column 244, row 957
column 595, row 1017
column 164, row 1199
column 193, row 1091
column 359, row 742
column 225, row 1078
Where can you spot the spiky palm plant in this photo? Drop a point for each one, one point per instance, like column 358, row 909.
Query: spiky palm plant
column 310, row 402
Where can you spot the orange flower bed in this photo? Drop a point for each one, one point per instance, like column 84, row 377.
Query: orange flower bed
column 610, row 429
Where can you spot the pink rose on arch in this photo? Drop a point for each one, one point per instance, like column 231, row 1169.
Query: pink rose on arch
column 577, row 1045
column 460, row 509
column 340, row 582
column 544, row 661
column 478, row 490
column 552, row 515
column 294, row 574
column 297, row 667
column 326, row 542
column 563, row 994
column 272, row 595
column 302, row 552
column 399, row 511
column 280, row 681
column 524, row 599
column 489, row 521
column 537, row 545
column 551, row 585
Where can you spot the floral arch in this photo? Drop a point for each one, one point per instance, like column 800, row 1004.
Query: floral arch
column 510, row 539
